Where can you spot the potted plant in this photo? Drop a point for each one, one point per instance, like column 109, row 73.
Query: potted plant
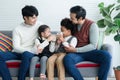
column 117, row 72
column 110, row 21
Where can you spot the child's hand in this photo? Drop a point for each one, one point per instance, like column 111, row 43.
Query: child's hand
column 58, row 41
column 51, row 38
column 39, row 50
column 60, row 37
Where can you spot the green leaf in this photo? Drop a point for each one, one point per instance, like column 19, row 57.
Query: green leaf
column 117, row 7
column 100, row 23
column 117, row 16
column 117, row 37
column 117, row 22
column 110, row 7
column 112, row 30
column 108, row 21
column 108, row 31
column 101, row 5
column 118, row 1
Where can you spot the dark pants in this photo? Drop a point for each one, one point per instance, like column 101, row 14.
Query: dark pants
column 5, row 56
column 98, row 56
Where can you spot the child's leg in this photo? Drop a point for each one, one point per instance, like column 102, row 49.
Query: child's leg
column 50, row 66
column 34, row 60
column 43, row 62
column 60, row 66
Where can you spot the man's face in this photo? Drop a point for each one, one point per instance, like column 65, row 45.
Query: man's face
column 30, row 20
column 75, row 20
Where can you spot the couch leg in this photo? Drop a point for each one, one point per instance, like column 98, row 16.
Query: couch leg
column 96, row 78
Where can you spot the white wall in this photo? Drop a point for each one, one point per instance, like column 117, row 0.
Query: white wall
column 51, row 12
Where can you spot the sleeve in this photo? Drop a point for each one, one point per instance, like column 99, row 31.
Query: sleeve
column 43, row 44
column 17, row 42
column 73, row 42
column 94, row 35
column 52, row 46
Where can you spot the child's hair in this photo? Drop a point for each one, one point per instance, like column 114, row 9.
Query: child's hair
column 67, row 23
column 41, row 29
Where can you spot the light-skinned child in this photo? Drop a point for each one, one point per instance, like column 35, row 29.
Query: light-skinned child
column 42, row 51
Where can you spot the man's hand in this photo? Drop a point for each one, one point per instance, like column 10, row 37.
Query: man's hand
column 70, row 49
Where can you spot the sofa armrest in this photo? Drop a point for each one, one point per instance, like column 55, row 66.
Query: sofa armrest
column 107, row 47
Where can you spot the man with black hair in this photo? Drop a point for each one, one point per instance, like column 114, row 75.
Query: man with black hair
column 23, row 43
column 86, row 32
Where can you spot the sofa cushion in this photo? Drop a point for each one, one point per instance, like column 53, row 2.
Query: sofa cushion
column 16, row 64
column 5, row 43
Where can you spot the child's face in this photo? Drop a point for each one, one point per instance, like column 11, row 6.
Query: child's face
column 65, row 31
column 46, row 33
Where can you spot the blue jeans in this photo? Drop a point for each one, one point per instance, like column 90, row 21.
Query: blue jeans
column 5, row 56
column 98, row 56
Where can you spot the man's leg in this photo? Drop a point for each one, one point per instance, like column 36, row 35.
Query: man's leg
column 50, row 66
column 69, row 62
column 24, row 66
column 101, row 57
column 60, row 66
column 4, row 72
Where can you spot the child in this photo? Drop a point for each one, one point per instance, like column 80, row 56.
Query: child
column 65, row 39
column 42, row 51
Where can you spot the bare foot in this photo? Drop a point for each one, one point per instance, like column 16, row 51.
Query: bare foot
column 42, row 76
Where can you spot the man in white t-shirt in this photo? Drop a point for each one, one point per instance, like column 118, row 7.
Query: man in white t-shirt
column 24, row 36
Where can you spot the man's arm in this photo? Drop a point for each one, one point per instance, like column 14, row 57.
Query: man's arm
column 94, row 35
column 17, row 42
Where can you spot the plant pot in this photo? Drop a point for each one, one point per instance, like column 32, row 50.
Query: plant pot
column 117, row 74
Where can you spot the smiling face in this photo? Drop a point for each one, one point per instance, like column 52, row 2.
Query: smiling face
column 30, row 20
column 46, row 33
column 75, row 20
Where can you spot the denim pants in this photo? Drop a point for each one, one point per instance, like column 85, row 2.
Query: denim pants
column 98, row 56
column 5, row 56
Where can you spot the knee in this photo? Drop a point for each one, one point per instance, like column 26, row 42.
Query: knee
column 1, row 56
column 27, row 55
column 35, row 59
column 59, row 60
column 106, row 57
column 51, row 61
column 44, row 58
column 67, row 59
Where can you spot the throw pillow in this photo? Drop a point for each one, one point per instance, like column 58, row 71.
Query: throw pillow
column 5, row 43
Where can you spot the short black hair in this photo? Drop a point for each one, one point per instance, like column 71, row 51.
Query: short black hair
column 67, row 23
column 29, row 11
column 79, row 11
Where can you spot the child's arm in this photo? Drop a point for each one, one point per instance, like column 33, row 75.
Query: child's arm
column 40, row 46
column 52, row 46
column 72, row 43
